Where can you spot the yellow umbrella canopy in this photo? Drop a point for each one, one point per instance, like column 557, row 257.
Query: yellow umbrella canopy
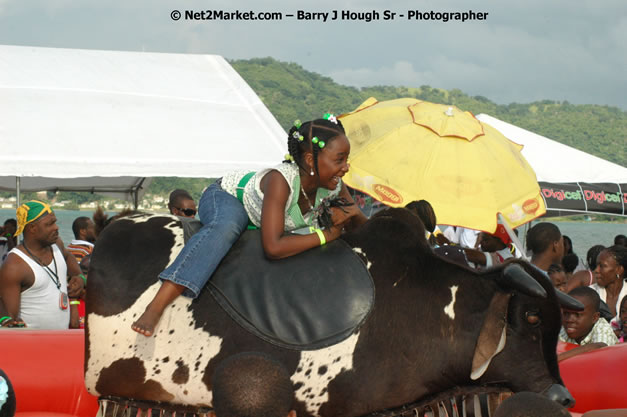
column 406, row 149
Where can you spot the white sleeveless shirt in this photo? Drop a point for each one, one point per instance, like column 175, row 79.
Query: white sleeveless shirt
column 603, row 294
column 253, row 196
column 39, row 304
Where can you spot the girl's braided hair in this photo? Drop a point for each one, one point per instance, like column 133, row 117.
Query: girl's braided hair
column 324, row 211
column 325, row 131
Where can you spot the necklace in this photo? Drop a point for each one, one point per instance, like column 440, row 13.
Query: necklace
column 52, row 274
column 306, row 198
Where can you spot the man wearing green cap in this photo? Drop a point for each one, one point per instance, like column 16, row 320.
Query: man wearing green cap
column 35, row 282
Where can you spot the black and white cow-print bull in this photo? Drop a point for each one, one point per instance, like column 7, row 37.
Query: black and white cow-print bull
column 435, row 325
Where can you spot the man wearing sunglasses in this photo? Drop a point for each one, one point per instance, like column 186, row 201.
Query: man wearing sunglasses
column 182, row 204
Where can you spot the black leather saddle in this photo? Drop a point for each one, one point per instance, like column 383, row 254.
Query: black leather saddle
column 308, row 301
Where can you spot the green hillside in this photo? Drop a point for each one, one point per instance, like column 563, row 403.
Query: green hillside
column 291, row 92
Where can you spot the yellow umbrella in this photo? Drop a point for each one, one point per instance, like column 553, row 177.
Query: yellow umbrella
column 407, row 149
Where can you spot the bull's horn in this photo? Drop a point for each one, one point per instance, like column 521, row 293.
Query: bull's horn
column 560, row 394
column 519, row 279
column 568, row 302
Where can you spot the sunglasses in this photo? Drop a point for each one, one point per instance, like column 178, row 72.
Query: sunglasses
column 187, row 212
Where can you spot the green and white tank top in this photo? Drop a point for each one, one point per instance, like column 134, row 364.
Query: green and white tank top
column 253, row 196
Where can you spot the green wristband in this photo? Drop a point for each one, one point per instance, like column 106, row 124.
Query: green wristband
column 320, row 234
column 84, row 278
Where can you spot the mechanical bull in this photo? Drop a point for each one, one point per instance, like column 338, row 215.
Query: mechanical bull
column 435, row 327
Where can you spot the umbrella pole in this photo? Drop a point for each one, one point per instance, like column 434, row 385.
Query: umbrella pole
column 517, row 243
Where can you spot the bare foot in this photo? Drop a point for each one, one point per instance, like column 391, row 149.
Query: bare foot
column 147, row 322
column 150, row 318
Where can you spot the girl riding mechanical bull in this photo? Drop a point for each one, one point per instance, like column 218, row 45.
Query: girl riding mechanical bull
column 281, row 199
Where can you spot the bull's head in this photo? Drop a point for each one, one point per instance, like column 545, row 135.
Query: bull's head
column 521, row 327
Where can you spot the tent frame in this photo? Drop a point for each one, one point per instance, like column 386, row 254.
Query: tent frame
column 134, row 190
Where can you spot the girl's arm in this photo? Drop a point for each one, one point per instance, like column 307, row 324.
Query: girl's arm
column 275, row 243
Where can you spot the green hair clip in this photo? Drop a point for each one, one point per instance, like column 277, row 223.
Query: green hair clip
column 318, row 142
column 330, row 117
column 297, row 123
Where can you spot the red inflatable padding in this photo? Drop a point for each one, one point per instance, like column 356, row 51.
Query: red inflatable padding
column 41, row 414
column 46, row 370
column 596, row 379
column 564, row 347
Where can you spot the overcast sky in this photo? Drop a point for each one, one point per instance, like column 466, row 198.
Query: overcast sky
column 524, row 50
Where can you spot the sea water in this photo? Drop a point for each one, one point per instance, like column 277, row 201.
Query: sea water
column 583, row 234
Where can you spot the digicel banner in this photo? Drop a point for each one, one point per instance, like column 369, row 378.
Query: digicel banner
column 608, row 198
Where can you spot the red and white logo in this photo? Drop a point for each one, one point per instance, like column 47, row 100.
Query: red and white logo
column 387, row 194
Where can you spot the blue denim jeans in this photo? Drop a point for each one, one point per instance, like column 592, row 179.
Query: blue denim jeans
column 224, row 220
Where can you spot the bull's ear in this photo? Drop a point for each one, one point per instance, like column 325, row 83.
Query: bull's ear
column 491, row 339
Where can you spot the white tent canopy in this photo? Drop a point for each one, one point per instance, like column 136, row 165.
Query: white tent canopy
column 103, row 121
column 571, row 180
column 555, row 162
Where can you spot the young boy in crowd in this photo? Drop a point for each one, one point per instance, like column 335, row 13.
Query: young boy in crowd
column 585, row 328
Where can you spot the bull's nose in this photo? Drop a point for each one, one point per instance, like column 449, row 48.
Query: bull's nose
column 560, row 394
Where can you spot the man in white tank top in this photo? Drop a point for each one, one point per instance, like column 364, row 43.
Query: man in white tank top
column 34, row 277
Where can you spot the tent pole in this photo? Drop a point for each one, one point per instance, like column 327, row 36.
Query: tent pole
column 17, row 194
column 18, row 198
column 136, row 192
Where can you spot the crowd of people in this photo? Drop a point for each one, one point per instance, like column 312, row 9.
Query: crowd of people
column 42, row 281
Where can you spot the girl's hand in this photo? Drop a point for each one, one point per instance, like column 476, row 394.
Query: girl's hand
column 357, row 218
column 341, row 215
column 333, row 232
column 75, row 286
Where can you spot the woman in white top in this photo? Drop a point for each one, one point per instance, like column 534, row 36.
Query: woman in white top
column 610, row 275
